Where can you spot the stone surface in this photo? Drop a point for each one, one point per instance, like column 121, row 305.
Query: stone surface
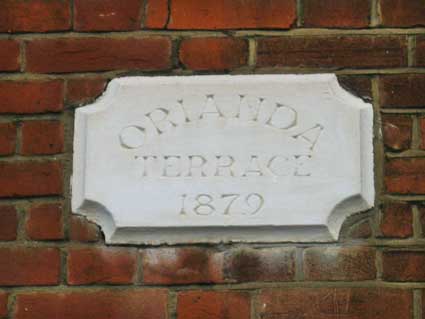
column 223, row 158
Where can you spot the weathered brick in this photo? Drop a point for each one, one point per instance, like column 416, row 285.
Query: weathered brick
column 30, row 266
column 100, row 304
column 361, row 230
column 44, row 222
column 156, row 14
column 213, row 53
column 181, row 266
column 3, row 304
column 7, row 138
column 421, row 209
column 82, row 230
column 422, row 130
column 402, row 13
column 405, row 175
column 9, row 54
column 31, row 96
column 213, row 304
column 332, row 52
column 235, row 14
column 358, row 85
column 403, row 265
column 339, row 263
column 42, row 137
column 84, row 90
column 98, row 54
column 397, row 132
column 336, row 13
column 407, row 90
column 397, row 220
column 325, row 303
column 420, row 50
column 34, row 15
column 8, row 222
column 273, row 264
column 101, row 266
column 29, row 178
column 107, row 15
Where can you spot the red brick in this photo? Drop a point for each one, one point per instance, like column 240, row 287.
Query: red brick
column 420, row 50
column 358, row 85
column 100, row 304
column 7, row 138
column 82, row 230
column 403, row 266
column 181, row 266
column 397, row 131
column 402, row 90
column 397, row 220
column 107, row 15
column 34, row 15
column 361, row 230
column 101, row 266
column 402, row 13
column 336, row 13
column 42, row 137
column 44, row 222
column 9, row 54
column 3, row 304
column 422, row 129
column 98, row 54
column 213, row 304
column 325, row 303
column 30, row 178
column 8, row 223
column 339, row 263
column 156, row 14
column 213, row 53
column 29, row 266
column 332, row 52
column 31, row 96
column 421, row 209
column 235, row 14
column 273, row 264
column 405, row 175
column 84, row 90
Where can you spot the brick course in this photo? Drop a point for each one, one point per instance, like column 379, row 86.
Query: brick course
column 101, row 265
column 30, row 266
column 337, row 13
column 351, row 303
column 132, row 304
column 34, row 15
column 97, row 54
column 332, row 52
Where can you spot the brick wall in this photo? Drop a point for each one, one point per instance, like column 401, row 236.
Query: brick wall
column 56, row 55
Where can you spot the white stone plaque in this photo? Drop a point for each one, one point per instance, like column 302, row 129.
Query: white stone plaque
column 256, row 158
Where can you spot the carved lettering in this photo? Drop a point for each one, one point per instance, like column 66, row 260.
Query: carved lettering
column 196, row 164
column 224, row 165
column 172, row 166
column 199, row 166
column 224, row 204
column 160, row 119
column 283, row 117
column 311, row 135
column 253, row 167
column 211, row 108
column 132, row 136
